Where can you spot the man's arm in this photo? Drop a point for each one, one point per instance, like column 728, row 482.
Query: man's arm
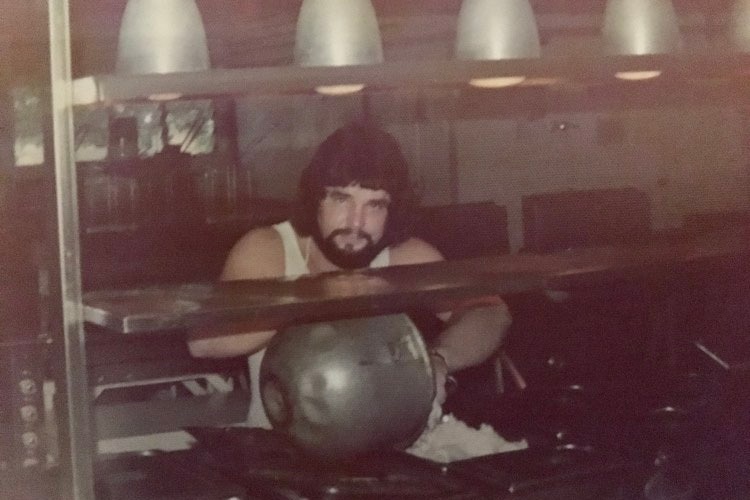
column 475, row 330
column 256, row 256
column 228, row 342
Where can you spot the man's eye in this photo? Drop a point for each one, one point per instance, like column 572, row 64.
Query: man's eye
column 379, row 204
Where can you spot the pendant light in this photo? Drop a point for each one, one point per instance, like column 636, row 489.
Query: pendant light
column 337, row 33
column 740, row 25
column 640, row 27
column 161, row 36
column 494, row 30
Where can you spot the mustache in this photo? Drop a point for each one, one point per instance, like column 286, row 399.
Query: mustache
column 347, row 232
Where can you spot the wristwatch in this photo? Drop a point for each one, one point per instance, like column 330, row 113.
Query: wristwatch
column 451, row 384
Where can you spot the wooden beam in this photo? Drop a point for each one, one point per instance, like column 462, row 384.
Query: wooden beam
column 580, row 71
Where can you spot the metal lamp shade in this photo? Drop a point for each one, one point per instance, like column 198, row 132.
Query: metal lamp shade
column 740, row 25
column 161, row 36
column 497, row 29
column 337, row 33
column 640, row 27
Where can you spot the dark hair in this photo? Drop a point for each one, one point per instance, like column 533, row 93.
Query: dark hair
column 360, row 154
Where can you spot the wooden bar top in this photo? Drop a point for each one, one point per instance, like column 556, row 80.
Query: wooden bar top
column 394, row 289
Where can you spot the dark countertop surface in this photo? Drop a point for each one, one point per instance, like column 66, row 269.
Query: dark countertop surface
column 274, row 303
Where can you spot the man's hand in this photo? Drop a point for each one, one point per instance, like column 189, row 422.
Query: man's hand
column 440, row 375
column 440, row 378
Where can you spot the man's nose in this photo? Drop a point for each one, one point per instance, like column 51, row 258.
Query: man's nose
column 356, row 216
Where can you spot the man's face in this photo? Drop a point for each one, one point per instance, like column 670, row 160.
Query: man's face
column 352, row 221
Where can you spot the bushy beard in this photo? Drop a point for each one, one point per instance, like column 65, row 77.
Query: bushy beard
column 345, row 259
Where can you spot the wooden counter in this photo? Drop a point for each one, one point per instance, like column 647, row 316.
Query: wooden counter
column 381, row 291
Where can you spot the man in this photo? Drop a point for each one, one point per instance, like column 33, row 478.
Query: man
column 354, row 210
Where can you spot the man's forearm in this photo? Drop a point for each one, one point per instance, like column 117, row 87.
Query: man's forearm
column 203, row 345
column 473, row 336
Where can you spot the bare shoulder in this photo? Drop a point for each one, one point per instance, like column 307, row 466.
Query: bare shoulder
column 258, row 254
column 414, row 251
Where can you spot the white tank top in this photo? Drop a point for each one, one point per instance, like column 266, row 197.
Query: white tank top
column 295, row 264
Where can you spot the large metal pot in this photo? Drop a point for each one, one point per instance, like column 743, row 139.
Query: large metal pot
column 350, row 386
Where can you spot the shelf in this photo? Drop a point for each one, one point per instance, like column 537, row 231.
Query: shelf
column 274, row 303
column 425, row 73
